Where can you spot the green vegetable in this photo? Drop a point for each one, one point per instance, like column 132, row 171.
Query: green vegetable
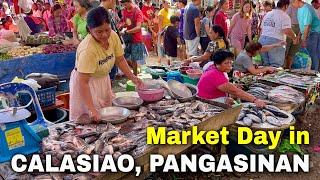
column 4, row 57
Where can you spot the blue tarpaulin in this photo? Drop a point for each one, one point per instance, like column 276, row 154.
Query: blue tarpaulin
column 60, row 64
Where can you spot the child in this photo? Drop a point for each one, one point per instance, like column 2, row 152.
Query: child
column 172, row 39
column 154, row 28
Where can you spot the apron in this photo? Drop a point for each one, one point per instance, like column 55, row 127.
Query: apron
column 101, row 93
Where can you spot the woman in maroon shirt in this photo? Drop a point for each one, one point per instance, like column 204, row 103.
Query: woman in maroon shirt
column 220, row 16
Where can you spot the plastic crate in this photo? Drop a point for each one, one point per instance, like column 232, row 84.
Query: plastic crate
column 46, row 97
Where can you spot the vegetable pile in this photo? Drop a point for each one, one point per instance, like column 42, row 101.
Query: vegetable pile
column 4, row 57
column 23, row 51
column 58, row 48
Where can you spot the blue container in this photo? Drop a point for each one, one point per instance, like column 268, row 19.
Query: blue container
column 174, row 75
column 46, row 97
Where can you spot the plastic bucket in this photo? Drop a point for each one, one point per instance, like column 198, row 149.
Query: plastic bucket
column 174, row 75
column 55, row 116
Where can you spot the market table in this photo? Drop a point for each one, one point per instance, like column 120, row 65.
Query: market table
column 60, row 64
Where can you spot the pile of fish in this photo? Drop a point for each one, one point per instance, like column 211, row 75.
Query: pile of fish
column 268, row 117
column 74, row 139
column 286, row 95
column 277, row 95
column 175, row 115
column 259, row 90
column 168, row 113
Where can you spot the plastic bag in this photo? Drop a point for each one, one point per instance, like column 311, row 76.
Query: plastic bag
column 302, row 60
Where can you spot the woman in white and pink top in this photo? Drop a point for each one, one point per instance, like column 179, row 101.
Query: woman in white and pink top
column 241, row 26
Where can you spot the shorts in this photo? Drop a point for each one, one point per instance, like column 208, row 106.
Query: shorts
column 274, row 57
column 292, row 49
column 192, row 46
column 136, row 52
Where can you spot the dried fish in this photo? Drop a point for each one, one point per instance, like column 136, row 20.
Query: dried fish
column 254, row 118
column 98, row 146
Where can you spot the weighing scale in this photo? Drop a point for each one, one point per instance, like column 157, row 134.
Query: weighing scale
column 17, row 136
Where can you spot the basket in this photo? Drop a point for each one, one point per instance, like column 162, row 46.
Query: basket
column 46, row 97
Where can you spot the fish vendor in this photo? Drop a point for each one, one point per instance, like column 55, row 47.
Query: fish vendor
column 90, row 86
column 244, row 65
column 214, row 83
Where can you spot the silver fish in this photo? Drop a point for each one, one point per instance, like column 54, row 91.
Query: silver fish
column 247, row 121
column 274, row 121
column 254, row 118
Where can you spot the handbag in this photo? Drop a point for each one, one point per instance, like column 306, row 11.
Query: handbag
column 302, row 60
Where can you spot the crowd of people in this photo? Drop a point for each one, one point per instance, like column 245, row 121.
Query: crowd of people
column 108, row 34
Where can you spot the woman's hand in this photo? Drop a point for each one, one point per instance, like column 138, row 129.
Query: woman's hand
column 259, row 103
column 139, row 83
column 271, row 70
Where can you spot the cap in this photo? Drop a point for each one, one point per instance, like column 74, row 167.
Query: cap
column 125, row 1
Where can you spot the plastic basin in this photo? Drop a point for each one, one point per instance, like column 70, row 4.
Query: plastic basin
column 151, row 95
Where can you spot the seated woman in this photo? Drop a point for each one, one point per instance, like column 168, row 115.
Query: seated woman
column 244, row 64
column 218, row 41
column 57, row 22
column 214, row 84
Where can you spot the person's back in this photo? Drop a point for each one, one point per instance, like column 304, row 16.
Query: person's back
column 170, row 42
column 190, row 13
column 274, row 22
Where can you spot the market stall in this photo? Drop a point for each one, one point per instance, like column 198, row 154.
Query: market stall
column 60, row 64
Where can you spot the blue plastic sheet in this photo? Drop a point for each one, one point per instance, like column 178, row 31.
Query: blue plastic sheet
column 60, row 64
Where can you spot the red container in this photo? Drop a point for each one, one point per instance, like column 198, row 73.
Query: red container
column 194, row 73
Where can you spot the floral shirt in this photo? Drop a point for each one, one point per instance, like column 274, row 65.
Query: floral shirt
column 215, row 45
column 255, row 24
column 57, row 26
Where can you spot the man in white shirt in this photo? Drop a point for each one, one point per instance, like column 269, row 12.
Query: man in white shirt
column 276, row 25
column 316, row 6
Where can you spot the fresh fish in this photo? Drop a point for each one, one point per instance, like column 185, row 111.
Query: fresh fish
column 90, row 139
column 276, row 111
column 118, row 139
column 79, row 143
column 274, row 121
column 107, row 150
column 108, row 135
column 178, row 112
column 247, row 121
column 199, row 115
column 89, row 149
column 127, row 149
column 87, row 134
column 254, row 118
column 116, row 155
column 202, row 107
column 98, row 146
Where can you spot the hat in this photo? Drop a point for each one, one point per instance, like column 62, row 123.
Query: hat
column 125, row 1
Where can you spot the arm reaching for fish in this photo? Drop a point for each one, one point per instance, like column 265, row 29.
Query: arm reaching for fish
column 233, row 90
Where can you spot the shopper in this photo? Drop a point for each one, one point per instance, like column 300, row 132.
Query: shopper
column 171, row 39
column 218, row 41
column 276, row 25
column 206, row 24
column 240, row 27
column 80, row 20
column 191, row 28
column 90, row 86
column 291, row 48
column 316, row 6
column 164, row 21
column 220, row 17
column 57, row 22
column 147, row 11
column 309, row 25
column 132, row 19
